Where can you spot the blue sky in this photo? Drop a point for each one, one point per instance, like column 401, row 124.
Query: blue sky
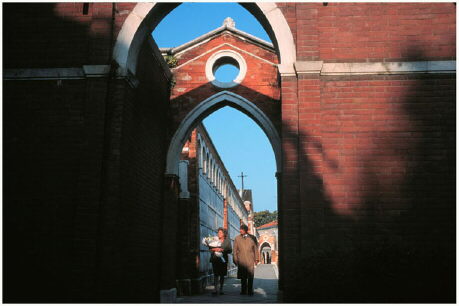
column 241, row 143
column 243, row 146
column 191, row 20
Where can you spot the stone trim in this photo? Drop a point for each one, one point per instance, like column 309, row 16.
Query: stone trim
column 43, row 74
column 223, row 97
column 219, row 46
column 96, row 71
column 141, row 22
column 286, row 70
column 87, row 71
column 282, row 32
column 309, row 67
column 208, row 36
column 319, row 67
column 221, row 54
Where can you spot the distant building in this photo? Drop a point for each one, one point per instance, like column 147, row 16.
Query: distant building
column 246, row 195
column 267, row 242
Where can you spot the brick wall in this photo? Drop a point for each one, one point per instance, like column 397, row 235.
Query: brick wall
column 386, row 31
column 367, row 188
column 368, row 183
column 355, row 32
column 260, row 86
column 53, row 145
column 376, row 167
column 131, row 224
column 61, row 34
column 84, row 161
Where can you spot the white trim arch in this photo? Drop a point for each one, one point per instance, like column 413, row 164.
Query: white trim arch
column 221, row 54
column 263, row 243
column 144, row 18
column 219, row 100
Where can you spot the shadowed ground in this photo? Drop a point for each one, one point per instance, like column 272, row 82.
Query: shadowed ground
column 264, row 284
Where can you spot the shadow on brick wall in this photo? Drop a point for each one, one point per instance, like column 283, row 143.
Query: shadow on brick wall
column 73, row 230
column 43, row 135
column 403, row 254
column 401, row 248
column 47, row 35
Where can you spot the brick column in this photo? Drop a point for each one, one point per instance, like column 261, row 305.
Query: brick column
column 225, row 214
column 169, row 242
column 289, row 219
column 279, row 227
column 312, row 197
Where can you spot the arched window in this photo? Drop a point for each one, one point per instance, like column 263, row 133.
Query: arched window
column 199, row 151
column 219, row 181
column 212, row 171
column 207, row 164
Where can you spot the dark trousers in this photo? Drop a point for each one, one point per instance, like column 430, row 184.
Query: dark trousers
column 247, row 285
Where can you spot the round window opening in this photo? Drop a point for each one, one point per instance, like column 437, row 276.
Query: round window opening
column 226, row 72
column 226, row 69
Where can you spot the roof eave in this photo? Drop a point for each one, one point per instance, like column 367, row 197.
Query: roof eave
column 215, row 32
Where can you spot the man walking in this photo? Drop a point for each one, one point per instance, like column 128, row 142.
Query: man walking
column 245, row 256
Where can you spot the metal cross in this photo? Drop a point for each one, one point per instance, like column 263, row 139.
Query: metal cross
column 242, row 177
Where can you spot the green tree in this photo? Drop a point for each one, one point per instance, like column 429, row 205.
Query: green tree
column 263, row 217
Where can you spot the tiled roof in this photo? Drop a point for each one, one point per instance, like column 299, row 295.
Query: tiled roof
column 267, row 225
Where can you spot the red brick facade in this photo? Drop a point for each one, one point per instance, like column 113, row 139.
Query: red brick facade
column 355, row 32
column 267, row 235
column 260, row 86
column 367, row 185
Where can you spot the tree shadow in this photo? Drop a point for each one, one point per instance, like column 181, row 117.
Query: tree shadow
column 398, row 245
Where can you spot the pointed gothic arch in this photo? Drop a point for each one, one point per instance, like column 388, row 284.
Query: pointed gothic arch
column 208, row 106
column 144, row 18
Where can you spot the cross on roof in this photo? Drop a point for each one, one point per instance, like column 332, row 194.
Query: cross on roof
column 242, row 177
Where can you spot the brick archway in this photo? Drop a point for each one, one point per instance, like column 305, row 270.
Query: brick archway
column 146, row 16
column 209, row 105
column 260, row 251
column 264, row 244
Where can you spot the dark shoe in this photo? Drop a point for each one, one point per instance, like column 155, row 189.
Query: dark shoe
column 221, row 293
column 250, row 293
column 215, row 293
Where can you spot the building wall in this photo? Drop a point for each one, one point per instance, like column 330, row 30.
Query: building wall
column 269, row 236
column 211, row 216
column 355, row 32
column 84, row 160
column 368, row 161
column 131, row 224
column 260, row 86
column 213, row 190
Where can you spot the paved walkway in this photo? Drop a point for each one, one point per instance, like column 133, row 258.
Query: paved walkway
column 264, row 284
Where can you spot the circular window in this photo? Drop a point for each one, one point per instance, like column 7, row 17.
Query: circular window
column 226, row 73
column 226, row 69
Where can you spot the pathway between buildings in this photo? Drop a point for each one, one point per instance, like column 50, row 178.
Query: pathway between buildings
column 264, row 284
